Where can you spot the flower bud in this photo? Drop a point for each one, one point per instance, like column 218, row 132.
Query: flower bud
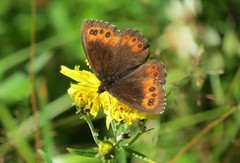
column 106, row 149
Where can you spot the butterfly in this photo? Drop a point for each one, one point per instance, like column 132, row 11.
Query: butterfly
column 118, row 59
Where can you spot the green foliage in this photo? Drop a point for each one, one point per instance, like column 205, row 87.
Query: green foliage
column 138, row 155
column 45, row 157
column 203, row 85
column 85, row 153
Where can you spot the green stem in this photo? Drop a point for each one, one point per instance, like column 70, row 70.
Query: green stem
column 114, row 129
column 89, row 122
column 140, row 132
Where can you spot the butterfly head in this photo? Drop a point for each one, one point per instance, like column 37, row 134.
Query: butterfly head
column 105, row 85
column 102, row 88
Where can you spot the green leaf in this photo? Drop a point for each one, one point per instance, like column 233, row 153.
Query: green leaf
column 14, row 87
column 138, row 155
column 168, row 94
column 86, row 153
column 40, row 61
column 230, row 42
column 149, row 130
column 15, row 137
column 192, row 120
column 45, row 157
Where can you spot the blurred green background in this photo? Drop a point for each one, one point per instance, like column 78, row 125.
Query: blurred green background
column 197, row 40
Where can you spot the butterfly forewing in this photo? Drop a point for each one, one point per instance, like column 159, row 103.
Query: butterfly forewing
column 110, row 52
column 99, row 40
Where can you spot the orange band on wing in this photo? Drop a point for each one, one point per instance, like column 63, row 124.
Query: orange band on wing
column 125, row 39
column 107, row 36
column 153, row 71
column 114, row 40
column 138, row 47
column 150, row 91
column 101, row 34
column 132, row 41
column 90, row 35
column 104, row 35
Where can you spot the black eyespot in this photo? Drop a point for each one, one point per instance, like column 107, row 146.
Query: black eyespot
column 150, row 103
column 108, row 34
column 154, row 95
column 91, row 32
column 139, row 45
column 152, row 89
column 101, row 31
column 156, row 74
column 134, row 39
column 151, row 100
column 153, row 67
column 95, row 32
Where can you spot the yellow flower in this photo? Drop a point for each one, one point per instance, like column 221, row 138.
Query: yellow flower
column 106, row 149
column 85, row 95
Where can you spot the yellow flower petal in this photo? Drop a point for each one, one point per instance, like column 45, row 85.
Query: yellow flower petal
column 83, row 76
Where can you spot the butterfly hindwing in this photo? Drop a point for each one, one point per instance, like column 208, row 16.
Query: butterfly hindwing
column 143, row 88
column 111, row 52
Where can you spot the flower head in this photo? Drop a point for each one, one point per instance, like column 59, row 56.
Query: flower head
column 106, row 149
column 85, row 94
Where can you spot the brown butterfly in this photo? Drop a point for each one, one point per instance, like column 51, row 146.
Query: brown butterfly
column 118, row 60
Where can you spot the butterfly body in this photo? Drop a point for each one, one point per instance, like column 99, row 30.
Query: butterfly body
column 118, row 60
